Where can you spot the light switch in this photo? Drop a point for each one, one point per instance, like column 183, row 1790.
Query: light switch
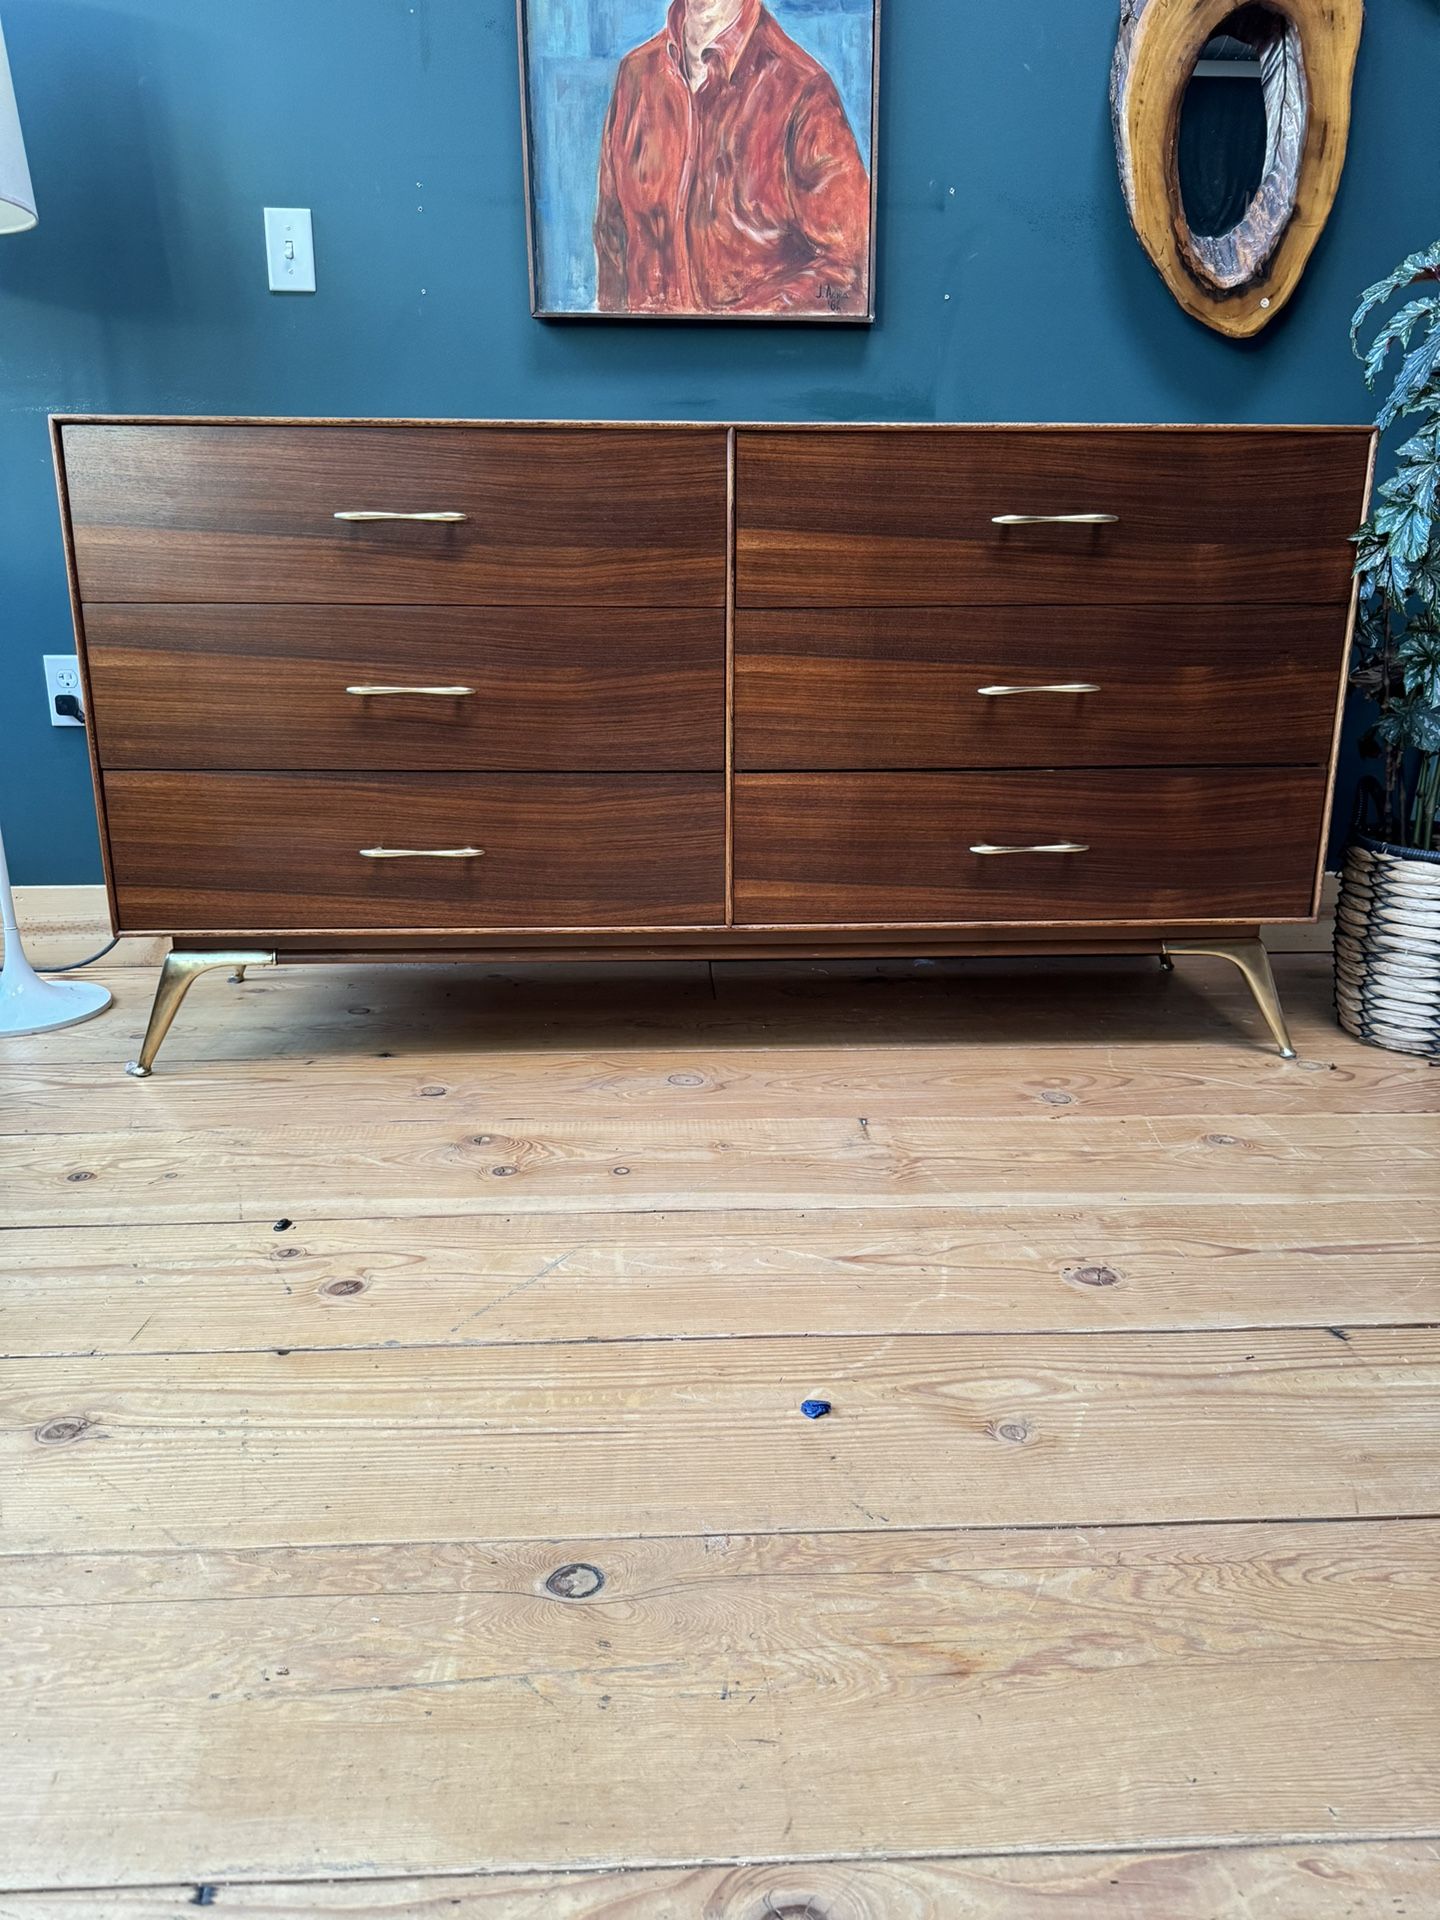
column 289, row 250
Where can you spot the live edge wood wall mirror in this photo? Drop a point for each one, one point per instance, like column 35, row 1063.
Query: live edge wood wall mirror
column 1296, row 60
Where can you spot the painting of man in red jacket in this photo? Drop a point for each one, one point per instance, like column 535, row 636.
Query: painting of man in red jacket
column 730, row 178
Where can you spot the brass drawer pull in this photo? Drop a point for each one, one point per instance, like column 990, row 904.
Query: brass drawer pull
column 1002, row 693
column 421, row 853
column 1055, row 846
column 1055, row 520
column 434, row 693
column 365, row 515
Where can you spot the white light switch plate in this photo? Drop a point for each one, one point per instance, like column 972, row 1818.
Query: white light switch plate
column 289, row 250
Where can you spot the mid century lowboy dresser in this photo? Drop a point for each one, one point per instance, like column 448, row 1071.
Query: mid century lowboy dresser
column 549, row 690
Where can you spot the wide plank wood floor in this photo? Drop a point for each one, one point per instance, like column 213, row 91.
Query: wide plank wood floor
column 407, row 1508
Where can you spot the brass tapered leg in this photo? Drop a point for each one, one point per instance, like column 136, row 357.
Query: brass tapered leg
column 1254, row 962
column 237, row 978
column 176, row 976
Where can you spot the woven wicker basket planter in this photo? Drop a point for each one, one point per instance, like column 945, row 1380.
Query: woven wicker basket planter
column 1387, row 947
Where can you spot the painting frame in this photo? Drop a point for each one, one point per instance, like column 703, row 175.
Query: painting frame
column 691, row 317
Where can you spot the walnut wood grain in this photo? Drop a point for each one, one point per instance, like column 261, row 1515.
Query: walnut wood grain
column 176, row 526
column 261, row 687
column 77, row 620
column 246, row 513
column 195, row 852
column 896, row 687
column 895, row 847
column 873, row 519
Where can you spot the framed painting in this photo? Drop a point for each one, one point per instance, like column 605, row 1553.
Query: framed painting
column 700, row 159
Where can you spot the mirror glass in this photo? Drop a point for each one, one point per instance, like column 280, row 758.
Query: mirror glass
column 1223, row 139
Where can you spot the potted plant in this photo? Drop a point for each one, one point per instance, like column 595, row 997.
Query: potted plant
column 1387, row 946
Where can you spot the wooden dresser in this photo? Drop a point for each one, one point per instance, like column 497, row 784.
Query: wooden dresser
column 560, row 691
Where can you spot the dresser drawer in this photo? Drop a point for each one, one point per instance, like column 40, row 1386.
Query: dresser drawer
column 1007, row 686
column 573, row 516
column 280, row 687
column 869, row 518
column 199, row 853
column 899, row 848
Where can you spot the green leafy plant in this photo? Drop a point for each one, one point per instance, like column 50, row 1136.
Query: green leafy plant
column 1397, row 643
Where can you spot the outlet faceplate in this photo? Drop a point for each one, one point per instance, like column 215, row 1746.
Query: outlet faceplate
column 62, row 676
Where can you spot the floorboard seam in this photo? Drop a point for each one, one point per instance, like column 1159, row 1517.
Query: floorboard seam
column 591, row 1342
column 1058, row 1527
column 696, row 1864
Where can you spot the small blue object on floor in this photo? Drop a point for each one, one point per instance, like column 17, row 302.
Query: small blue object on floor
column 815, row 1409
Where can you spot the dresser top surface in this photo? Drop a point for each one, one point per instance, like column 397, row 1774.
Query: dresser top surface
column 709, row 426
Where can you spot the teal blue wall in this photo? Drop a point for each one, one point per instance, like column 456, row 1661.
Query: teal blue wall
column 1010, row 285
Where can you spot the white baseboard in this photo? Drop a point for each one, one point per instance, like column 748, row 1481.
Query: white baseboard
column 1319, row 938
column 61, row 924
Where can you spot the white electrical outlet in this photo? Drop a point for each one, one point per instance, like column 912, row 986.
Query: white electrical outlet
column 289, row 250
column 62, row 680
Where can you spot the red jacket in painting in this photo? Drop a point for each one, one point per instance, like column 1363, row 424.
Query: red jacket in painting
column 746, row 196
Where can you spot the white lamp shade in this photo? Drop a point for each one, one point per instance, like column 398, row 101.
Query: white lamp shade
column 17, row 196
